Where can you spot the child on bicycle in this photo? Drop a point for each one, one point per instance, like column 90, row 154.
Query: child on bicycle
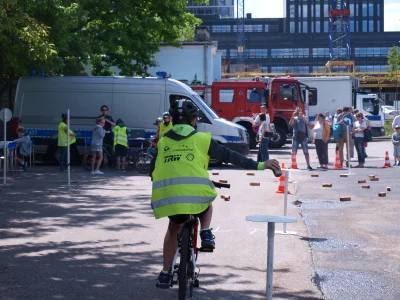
column 97, row 145
column 120, row 144
column 181, row 183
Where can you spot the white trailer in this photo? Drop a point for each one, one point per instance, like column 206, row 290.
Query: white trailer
column 331, row 93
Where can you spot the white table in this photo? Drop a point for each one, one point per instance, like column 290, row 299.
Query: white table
column 271, row 220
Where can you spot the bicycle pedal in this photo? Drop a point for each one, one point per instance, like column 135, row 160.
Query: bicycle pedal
column 206, row 249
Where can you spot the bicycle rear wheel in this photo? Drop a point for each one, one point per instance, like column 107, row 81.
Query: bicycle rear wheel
column 143, row 161
column 184, row 265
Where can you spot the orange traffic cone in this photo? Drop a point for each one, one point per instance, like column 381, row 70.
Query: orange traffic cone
column 294, row 162
column 282, row 179
column 337, row 165
column 387, row 161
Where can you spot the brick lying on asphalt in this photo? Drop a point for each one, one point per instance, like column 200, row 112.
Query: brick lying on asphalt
column 383, row 194
column 226, row 197
column 223, row 181
column 365, row 186
column 254, row 184
column 388, row 189
column 344, row 175
column 327, row 185
column 345, row 198
column 314, row 175
column 362, row 181
column 215, row 173
column 374, row 179
column 250, row 174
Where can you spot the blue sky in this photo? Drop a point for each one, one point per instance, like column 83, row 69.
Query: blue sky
column 274, row 9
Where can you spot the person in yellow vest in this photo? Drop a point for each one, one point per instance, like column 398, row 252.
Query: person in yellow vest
column 63, row 131
column 120, row 144
column 166, row 125
column 181, row 183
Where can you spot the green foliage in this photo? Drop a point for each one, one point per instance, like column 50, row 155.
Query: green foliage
column 63, row 36
column 393, row 65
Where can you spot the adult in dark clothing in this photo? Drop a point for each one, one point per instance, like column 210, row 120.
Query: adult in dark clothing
column 183, row 200
column 108, row 141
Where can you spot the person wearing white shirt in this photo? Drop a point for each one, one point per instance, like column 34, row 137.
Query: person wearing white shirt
column 263, row 134
column 358, row 129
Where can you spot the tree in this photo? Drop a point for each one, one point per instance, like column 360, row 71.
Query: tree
column 64, row 36
column 393, row 68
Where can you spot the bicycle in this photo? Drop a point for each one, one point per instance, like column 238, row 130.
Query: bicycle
column 144, row 157
column 187, row 277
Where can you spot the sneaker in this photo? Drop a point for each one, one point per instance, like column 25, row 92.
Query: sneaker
column 98, row 172
column 395, row 164
column 309, row 168
column 164, row 280
column 93, row 172
column 207, row 239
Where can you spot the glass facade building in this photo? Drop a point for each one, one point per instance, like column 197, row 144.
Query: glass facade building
column 220, row 8
column 311, row 16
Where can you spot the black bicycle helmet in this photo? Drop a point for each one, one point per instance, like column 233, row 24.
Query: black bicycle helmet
column 183, row 109
column 166, row 114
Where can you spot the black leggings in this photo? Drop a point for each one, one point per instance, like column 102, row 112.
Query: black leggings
column 322, row 151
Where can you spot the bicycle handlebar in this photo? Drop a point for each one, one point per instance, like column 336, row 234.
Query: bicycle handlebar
column 221, row 185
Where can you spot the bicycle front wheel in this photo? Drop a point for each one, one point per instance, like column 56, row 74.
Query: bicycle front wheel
column 143, row 161
column 184, row 265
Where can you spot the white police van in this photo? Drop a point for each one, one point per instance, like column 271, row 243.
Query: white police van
column 40, row 101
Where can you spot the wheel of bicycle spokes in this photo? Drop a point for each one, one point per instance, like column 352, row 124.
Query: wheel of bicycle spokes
column 184, row 265
column 87, row 161
column 142, row 162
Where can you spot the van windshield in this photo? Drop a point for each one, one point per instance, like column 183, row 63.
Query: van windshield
column 204, row 107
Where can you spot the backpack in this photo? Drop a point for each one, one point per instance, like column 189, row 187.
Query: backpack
column 337, row 132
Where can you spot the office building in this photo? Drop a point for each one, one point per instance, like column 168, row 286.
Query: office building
column 219, row 8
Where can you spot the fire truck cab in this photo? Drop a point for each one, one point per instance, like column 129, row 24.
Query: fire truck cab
column 240, row 101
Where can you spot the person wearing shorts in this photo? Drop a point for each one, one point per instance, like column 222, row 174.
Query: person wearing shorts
column 97, row 145
column 396, row 145
column 120, row 144
column 299, row 124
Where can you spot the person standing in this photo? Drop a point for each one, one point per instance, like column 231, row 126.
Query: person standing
column 63, row 131
column 166, row 125
column 321, row 138
column 343, row 140
column 299, row 124
column 264, row 135
column 97, row 145
column 359, row 126
column 257, row 121
column 396, row 145
column 109, row 137
column 120, row 144
column 24, row 147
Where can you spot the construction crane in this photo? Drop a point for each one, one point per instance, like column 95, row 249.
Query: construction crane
column 339, row 37
column 241, row 38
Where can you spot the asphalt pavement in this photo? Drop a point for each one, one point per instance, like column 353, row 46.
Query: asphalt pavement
column 98, row 238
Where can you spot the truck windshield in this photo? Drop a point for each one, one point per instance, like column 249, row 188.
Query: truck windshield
column 303, row 89
column 371, row 105
column 288, row 91
column 204, row 107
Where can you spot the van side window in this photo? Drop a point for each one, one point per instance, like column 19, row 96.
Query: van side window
column 371, row 105
column 255, row 95
column 173, row 98
column 226, row 95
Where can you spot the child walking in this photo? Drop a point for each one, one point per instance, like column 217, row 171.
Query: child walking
column 97, row 145
column 120, row 144
column 396, row 145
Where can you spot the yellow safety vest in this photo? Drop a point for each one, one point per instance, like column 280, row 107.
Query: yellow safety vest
column 165, row 128
column 181, row 184
column 63, row 136
column 120, row 136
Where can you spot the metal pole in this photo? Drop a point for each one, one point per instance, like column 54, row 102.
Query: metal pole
column 5, row 149
column 286, row 200
column 348, row 148
column 68, row 149
column 270, row 259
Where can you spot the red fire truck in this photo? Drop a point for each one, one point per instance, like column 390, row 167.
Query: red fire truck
column 239, row 102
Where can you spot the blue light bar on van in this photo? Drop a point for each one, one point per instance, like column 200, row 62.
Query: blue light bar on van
column 163, row 74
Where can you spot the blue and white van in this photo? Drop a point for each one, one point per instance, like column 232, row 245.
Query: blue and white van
column 137, row 101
